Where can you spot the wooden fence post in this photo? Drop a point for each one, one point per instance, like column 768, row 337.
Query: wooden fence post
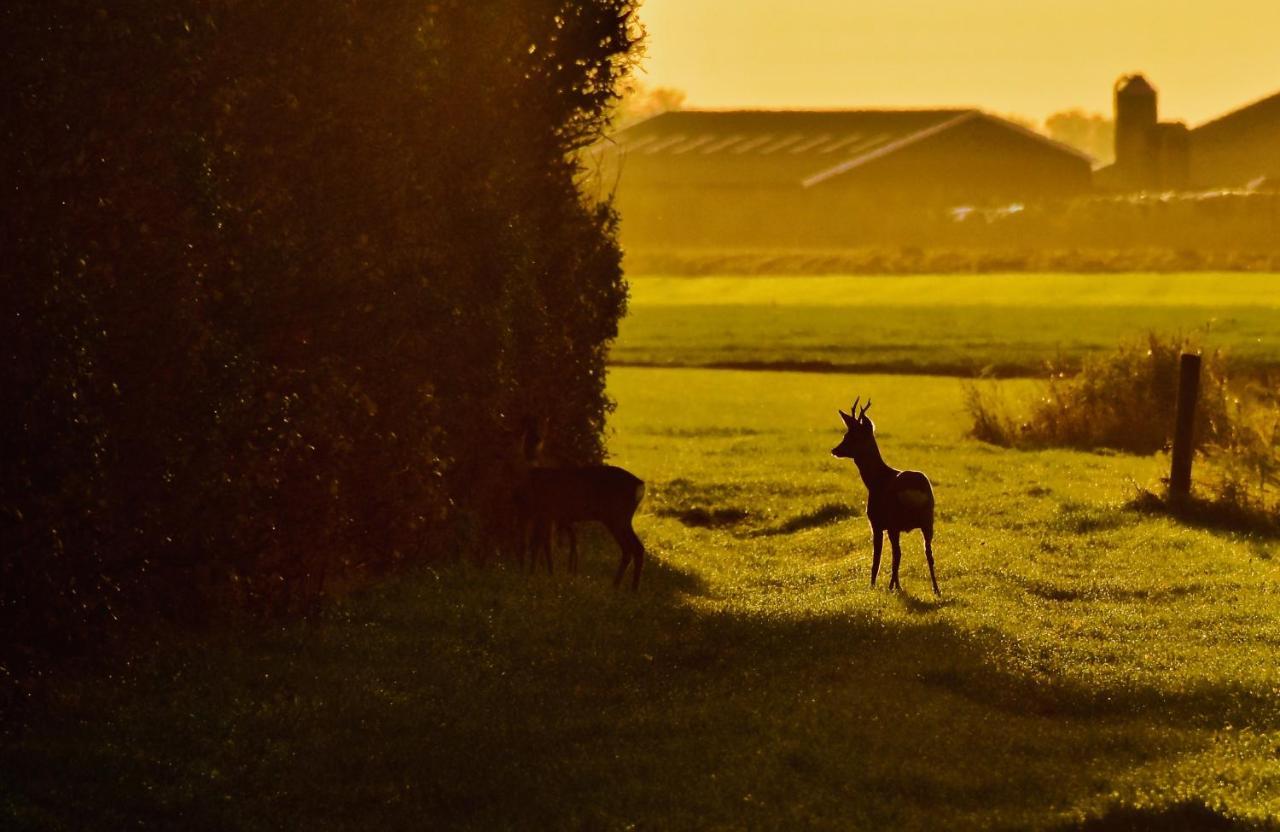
column 1184, row 427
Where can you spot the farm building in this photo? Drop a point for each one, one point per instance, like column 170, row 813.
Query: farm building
column 1239, row 147
column 1230, row 151
column 821, row 177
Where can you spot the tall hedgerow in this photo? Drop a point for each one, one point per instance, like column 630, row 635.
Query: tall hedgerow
column 276, row 277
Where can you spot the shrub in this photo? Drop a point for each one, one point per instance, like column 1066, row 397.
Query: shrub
column 994, row 420
column 1245, row 461
column 1124, row 400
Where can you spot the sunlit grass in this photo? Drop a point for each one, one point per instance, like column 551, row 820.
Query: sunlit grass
column 1085, row 659
column 953, row 324
column 1194, row 289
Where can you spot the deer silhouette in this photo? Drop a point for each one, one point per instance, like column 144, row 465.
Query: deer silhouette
column 552, row 498
column 897, row 501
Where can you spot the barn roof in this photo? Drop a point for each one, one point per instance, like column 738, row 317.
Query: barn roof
column 778, row 147
column 1241, row 119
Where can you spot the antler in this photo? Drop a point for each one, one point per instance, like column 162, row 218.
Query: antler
column 854, row 410
column 865, row 408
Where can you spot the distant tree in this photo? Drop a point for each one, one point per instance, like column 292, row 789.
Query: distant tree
column 639, row 101
column 1022, row 121
column 1090, row 132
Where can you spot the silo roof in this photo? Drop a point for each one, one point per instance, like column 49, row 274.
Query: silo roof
column 1135, row 85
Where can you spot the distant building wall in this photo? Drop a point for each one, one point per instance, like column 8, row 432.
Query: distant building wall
column 1238, row 148
column 1173, row 156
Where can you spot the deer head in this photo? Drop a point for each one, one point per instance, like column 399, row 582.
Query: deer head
column 859, row 432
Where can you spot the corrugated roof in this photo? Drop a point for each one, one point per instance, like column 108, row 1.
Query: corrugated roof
column 779, row 147
column 754, row 147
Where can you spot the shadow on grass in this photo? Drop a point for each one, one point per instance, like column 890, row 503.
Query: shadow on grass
column 716, row 517
column 599, row 555
column 1087, row 518
column 1190, row 815
column 824, row 515
column 698, row 505
column 706, row 518
column 1210, row 515
column 925, row 604
column 1110, row 593
column 467, row 698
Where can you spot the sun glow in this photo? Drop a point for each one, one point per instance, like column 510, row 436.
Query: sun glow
column 1008, row 56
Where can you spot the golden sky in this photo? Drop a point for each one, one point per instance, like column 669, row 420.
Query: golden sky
column 1029, row 57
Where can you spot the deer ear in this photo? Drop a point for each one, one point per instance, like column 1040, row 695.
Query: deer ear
column 870, row 425
column 846, row 418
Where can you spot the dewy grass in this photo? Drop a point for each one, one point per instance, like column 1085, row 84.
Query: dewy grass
column 966, row 325
column 1088, row 664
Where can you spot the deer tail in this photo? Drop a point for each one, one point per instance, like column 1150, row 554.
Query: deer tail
column 639, row 492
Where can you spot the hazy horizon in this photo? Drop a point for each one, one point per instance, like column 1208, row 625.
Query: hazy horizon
column 1019, row 58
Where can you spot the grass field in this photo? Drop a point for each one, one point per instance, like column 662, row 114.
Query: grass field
column 1087, row 663
column 950, row 324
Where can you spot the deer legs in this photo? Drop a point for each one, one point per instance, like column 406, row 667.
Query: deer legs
column 877, row 540
column 541, row 535
column 895, row 540
column 632, row 550
column 928, row 554
column 895, row 543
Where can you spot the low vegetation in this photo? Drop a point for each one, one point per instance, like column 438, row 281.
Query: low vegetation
column 1122, row 400
column 1126, row 399
column 1088, row 665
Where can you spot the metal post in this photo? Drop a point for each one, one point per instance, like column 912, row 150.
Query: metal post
column 1184, row 428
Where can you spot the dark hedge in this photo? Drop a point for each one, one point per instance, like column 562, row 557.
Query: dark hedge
column 278, row 277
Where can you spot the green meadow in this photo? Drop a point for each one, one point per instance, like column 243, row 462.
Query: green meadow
column 1004, row 324
column 1088, row 666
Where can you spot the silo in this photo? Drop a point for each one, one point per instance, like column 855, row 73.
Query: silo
column 1137, row 145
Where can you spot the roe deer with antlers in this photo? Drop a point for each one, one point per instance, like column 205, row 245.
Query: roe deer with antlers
column 897, row 501
column 552, row 497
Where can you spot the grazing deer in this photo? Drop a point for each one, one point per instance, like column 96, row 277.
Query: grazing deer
column 897, row 501
column 556, row 497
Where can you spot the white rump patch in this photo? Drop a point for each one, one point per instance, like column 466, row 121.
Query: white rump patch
column 913, row 498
